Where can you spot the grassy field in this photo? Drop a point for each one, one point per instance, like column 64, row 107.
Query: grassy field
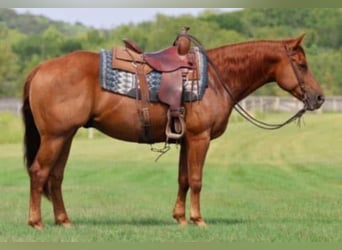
column 259, row 186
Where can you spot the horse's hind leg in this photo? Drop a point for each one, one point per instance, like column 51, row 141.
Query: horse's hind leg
column 183, row 187
column 48, row 153
column 55, row 186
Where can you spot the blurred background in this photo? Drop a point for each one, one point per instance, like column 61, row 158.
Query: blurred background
column 259, row 186
column 29, row 36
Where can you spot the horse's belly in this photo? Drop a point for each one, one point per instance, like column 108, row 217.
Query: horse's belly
column 128, row 126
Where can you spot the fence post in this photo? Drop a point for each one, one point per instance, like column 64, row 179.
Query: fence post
column 90, row 133
column 276, row 103
column 18, row 108
column 334, row 105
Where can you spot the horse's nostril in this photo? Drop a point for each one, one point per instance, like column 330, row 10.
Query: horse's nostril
column 320, row 98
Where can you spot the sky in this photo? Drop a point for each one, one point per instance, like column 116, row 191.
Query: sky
column 109, row 17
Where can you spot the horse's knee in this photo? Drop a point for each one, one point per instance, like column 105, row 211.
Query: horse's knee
column 37, row 174
column 183, row 182
column 195, row 184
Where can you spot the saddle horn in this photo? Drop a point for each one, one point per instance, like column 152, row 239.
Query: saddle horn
column 183, row 42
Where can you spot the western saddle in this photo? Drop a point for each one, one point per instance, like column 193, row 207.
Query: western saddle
column 176, row 64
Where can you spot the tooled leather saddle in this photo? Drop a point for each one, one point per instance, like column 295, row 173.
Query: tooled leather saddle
column 176, row 64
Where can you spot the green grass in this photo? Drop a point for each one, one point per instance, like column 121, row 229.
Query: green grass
column 11, row 128
column 259, row 186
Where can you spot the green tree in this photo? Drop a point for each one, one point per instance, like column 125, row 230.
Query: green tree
column 70, row 45
column 8, row 65
column 31, row 39
column 227, row 21
column 51, row 41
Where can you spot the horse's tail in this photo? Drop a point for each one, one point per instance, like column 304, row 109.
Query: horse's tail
column 31, row 134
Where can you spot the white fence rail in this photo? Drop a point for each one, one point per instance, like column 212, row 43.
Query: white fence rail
column 288, row 104
column 267, row 103
column 260, row 103
column 12, row 105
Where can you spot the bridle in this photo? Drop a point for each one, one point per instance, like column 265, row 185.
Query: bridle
column 299, row 78
column 243, row 112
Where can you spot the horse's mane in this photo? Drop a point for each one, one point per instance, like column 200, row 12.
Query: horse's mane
column 252, row 43
column 233, row 60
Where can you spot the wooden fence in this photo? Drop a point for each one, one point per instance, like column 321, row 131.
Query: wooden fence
column 11, row 105
column 288, row 104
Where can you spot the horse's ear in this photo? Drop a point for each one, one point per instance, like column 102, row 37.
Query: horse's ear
column 296, row 42
column 300, row 39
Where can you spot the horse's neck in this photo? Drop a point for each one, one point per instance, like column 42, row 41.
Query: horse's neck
column 247, row 66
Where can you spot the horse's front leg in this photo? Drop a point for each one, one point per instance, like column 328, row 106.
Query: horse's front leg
column 196, row 153
column 183, row 186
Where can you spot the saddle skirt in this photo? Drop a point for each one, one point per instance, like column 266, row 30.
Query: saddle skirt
column 124, row 82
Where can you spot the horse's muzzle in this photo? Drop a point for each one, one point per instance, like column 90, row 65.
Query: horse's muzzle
column 314, row 101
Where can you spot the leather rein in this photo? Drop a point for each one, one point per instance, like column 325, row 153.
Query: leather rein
column 242, row 111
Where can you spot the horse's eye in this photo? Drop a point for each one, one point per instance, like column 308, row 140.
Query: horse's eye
column 303, row 66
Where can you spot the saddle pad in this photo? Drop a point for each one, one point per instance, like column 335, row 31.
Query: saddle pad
column 122, row 82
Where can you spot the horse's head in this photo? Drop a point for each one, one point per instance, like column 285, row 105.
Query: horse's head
column 294, row 75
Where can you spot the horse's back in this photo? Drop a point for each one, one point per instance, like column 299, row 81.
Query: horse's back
column 71, row 69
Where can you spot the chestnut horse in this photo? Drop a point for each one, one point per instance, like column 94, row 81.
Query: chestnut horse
column 63, row 94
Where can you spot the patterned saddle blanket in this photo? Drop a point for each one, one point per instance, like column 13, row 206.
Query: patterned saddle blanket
column 124, row 83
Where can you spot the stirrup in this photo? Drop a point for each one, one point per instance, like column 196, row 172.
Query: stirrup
column 168, row 130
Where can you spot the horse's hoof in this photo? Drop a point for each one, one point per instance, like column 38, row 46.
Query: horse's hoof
column 65, row 223
column 199, row 222
column 36, row 225
column 181, row 221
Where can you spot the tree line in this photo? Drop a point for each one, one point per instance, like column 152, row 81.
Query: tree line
column 26, row 40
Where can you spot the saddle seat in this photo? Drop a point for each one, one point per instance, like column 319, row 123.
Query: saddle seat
column 166, row 60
